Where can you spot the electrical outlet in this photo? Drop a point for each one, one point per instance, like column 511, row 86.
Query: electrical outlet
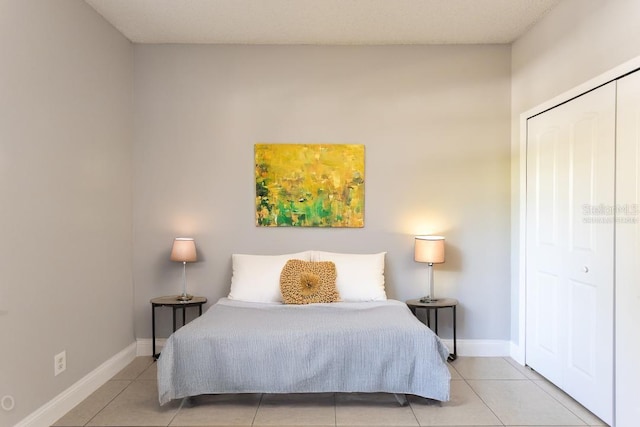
column 59, row 363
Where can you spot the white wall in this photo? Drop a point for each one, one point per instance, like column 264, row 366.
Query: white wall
column 576, row 42
column 435, row 124
column 65, row 184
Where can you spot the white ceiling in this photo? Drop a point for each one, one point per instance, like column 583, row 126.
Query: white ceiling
column 342, row 22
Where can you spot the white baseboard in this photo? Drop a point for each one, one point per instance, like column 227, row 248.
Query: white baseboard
column 51, row 411
column 144, row 346
column 517, row 353
column 480, row 348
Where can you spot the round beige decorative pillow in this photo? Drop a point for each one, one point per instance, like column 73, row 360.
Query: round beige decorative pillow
column 306, row 282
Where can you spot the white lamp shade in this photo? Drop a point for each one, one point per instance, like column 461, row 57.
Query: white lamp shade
column 184, row 250
column 429, row 249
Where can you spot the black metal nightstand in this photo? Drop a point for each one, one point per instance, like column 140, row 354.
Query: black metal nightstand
column 451, row 303
column 173, row 302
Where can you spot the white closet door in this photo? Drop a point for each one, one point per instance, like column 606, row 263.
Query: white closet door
column 628, row 253
column 570, row 223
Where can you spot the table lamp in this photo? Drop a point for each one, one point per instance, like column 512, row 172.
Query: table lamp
column 429, row 249
column 184, row 251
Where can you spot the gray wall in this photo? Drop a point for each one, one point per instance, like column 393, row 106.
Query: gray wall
column 65, row 178
column 577, row 41
column 435, row 123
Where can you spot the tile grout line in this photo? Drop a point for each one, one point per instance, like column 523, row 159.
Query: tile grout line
column 253, row 421
column 541, row 379
column 109, row 402
column 131, row 381
column 561, row 404
column 482, row 400
column 182, row 403
column 414, row 413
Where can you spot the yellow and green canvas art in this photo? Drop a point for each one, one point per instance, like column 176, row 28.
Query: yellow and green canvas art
column 309, row 185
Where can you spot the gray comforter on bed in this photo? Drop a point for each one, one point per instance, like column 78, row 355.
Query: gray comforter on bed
column 241, row 347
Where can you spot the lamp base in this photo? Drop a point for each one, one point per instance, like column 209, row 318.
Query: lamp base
column 184, row 297
column 428, row 299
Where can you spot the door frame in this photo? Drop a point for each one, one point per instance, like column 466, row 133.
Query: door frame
column 519, row 208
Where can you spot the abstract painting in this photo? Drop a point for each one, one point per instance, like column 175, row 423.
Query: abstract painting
column 309, row 185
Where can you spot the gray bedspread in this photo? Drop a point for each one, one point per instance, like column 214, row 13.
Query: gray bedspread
column 240, row 347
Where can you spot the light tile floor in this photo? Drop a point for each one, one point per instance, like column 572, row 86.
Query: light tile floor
column 487, row 391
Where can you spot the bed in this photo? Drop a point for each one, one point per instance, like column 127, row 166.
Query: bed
column 266, row 346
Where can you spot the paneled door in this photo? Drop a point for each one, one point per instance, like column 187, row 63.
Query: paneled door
column 569, row 247
column 628, row 252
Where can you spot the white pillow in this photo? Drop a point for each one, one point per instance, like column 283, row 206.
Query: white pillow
column 360, row 276
column 256, row 278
